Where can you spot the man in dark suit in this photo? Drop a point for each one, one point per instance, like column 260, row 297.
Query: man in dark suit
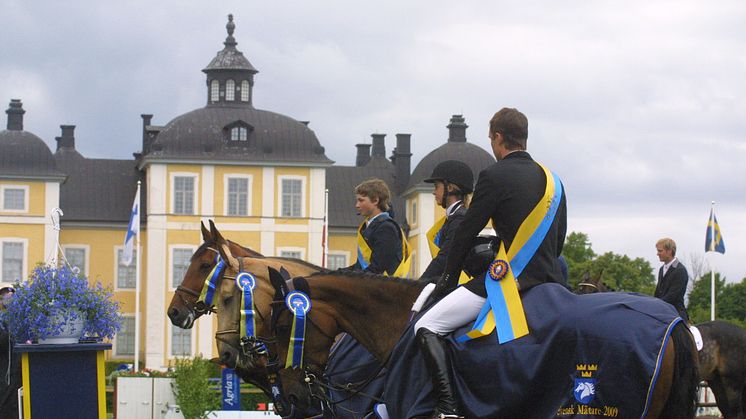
column 506, row 193
column 672, row 277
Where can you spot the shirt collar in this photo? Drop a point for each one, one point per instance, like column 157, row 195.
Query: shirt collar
column 370, row 220
column 453, row 208
column 668, row 265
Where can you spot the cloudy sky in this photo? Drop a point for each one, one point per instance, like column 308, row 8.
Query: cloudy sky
column 639, row 106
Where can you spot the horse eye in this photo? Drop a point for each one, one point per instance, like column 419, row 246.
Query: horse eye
column 205, row 266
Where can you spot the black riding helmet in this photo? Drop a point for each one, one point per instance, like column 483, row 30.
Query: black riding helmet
column 455, row 172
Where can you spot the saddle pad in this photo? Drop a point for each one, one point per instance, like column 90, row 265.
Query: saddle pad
column 586, row 355
column 697, row 337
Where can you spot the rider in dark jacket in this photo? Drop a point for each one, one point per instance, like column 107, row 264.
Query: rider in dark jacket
column 454, row 181
column 506, row 192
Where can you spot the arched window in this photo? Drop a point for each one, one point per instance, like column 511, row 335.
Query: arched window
column 239, row 134
column 245, row 91
column 230, row 90
column 214, row 91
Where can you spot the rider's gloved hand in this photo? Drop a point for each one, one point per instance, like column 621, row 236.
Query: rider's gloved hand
column 446, row 284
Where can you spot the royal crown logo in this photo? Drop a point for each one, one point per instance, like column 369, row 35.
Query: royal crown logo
column 586, row 370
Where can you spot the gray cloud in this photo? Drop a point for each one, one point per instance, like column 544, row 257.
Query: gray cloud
column 639, row 107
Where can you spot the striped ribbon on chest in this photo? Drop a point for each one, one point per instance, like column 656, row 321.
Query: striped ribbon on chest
column 503, row 310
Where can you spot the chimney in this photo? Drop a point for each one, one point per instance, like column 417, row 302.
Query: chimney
column 146, row 119
column 67, row 139
column 457, row 129
column 379, row 146
column 363, row 154
column 402, row 161
column 15, row 115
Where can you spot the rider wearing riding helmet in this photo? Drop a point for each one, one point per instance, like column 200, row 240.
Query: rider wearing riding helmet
column 506, row 192
column 454, row 181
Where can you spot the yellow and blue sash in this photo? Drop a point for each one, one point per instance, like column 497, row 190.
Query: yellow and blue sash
column 364, row 251
column 435, row 238
column 504, row 310
column 208, row 289
column 299, row 304
column 246, row 283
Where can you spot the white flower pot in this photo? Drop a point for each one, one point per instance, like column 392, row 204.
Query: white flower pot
column 71, row 331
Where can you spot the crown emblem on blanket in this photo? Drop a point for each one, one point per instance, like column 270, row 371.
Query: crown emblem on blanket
column 586, row 370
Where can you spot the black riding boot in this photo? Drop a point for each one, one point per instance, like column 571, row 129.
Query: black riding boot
column 436, row 359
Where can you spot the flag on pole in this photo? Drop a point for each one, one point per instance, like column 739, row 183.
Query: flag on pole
column 133, row 229
column 713, row 239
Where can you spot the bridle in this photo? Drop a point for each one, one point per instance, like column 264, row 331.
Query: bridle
column 313, row 374
column 197, row 306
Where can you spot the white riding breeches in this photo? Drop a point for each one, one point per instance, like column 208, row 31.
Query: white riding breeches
column 456, row 309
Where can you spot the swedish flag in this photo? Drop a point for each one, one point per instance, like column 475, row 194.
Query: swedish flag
column 713, row 239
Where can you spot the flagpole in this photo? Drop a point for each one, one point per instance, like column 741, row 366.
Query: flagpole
column 325, row 233
column 137, row 285
column 712, row 268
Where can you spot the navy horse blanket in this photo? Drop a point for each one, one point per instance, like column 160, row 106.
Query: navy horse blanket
column 594, row 355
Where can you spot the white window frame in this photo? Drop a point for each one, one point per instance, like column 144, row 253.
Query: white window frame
column 344, row 254
column 226, row 179
column 115, row 343
column 239, row 133
column 413, row 212
column 117, row 249
column 86, row 255
column 302, row 195
column 214, row 91
column 230, row 90
column 24, row 262
column 192, row 342
column 25, row 189
column 171, row 249
column 301, row 250
column 245, row 91
column 196, row 197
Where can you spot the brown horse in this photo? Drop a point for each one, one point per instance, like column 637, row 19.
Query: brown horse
column 722, row 359
column 342, row 302
column 185, row 306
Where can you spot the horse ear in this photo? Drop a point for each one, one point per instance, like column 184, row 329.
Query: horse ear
column 277, row 281
column 223, row 247
column 206, row 236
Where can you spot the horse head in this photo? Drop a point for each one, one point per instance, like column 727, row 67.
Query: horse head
column 186, row 305
column 243, row 301
column 593, row 285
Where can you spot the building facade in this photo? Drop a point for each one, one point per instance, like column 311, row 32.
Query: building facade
column 261, row 176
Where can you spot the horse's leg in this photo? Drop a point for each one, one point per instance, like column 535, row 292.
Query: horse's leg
column 734, row 393
column 680, row 402
column 721, row 396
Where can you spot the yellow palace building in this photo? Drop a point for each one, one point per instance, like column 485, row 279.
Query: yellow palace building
column 261, row 176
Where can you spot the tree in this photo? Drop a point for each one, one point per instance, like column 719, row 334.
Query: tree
column 617, row 271
column 579, row 255
column 699, row 298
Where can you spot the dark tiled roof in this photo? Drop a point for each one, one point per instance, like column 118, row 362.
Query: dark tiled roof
column 97, row 190
column 476, row 157
column 341, row 182
column 204, row 134
column 24, row 154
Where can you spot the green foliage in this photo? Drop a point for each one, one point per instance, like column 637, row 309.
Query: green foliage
column 192, row 390
column 617, row 271
column 730, row 300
